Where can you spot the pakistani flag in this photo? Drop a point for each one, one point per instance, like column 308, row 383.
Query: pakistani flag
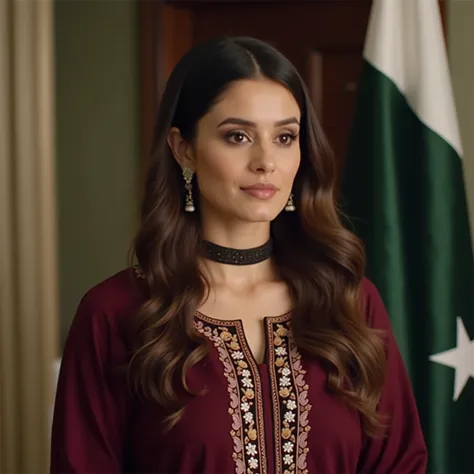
column 403, row 192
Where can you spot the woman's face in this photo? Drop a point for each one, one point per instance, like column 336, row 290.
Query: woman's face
column 246, row 152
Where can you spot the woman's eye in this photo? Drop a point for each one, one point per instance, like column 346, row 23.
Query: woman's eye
column 237, row 137
column 286, row 138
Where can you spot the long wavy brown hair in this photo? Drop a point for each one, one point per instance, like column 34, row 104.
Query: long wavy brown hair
column 319, row 259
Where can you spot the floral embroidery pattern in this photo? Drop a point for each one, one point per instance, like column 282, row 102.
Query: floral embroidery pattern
column 290, row 401
column 246, row 406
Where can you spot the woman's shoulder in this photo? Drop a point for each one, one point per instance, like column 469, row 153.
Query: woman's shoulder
column 114, row 298
column 100, row 331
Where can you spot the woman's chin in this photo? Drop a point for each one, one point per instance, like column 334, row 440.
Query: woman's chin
column 260, row 214
column 256, row 212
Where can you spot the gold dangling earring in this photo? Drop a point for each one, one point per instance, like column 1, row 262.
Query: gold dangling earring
column 290, row 205
column 188, row 176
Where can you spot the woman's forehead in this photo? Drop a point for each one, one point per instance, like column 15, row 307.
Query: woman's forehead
column 258, row 100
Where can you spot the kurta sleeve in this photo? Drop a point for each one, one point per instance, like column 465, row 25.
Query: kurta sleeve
column 90, row 412
column 403, row 449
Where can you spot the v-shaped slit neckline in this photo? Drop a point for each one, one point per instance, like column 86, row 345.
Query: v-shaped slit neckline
column 267, row 321
column 226, row 322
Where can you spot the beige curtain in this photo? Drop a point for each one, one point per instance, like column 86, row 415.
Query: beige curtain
column 28, row 280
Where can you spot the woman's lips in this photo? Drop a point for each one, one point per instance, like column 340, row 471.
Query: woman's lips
column 261, row 191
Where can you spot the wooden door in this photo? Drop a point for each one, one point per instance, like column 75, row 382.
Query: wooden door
column 323, row 38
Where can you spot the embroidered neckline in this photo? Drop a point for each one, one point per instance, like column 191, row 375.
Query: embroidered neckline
column 289, row 393
column 265, row 320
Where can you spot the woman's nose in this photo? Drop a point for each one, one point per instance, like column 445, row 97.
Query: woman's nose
column 263, row 160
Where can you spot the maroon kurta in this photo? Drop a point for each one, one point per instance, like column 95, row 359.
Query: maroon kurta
column 275, row 417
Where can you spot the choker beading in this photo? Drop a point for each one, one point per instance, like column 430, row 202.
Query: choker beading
column 237, row 256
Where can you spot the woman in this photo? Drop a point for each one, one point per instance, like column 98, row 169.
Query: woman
column 246, row 340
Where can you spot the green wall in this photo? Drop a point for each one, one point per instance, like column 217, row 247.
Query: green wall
column 98, row 158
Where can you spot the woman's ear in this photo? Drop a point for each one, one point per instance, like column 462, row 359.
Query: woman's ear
column 181, row 149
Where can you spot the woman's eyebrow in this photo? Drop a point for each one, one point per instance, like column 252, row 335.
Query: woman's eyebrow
column 249, row 123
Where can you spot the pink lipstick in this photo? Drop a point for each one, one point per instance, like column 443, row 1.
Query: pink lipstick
column 261, row 191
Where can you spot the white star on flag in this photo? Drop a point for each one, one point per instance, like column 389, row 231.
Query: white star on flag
column 460, row 358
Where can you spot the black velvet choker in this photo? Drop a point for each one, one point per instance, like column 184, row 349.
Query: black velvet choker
column 237, row 256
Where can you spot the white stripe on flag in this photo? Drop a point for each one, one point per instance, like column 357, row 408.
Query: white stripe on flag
column 405, row 42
